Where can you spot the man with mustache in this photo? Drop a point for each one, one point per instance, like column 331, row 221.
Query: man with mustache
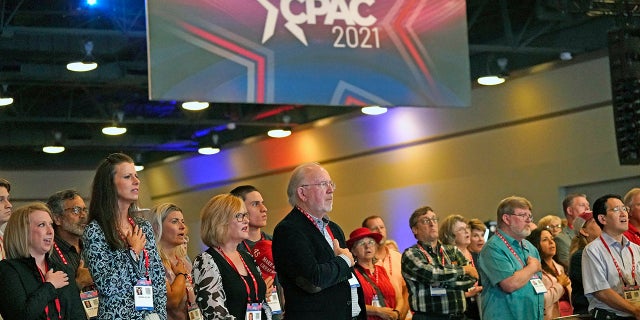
column 70, row 218
column 611, row 261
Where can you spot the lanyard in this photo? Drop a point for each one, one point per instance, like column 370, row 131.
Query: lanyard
column 510, row 248
column 57, row 300
column 315, row 224
column 144, row 251
column 246, row 284
column 633, row 262
column 64, row 260
column 428, row 256
column 189, row 281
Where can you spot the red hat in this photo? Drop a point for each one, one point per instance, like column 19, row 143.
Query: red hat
column 581, row 220
column 360, row 233
column 264, row 258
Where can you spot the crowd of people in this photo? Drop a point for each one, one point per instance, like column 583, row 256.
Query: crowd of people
column 116, row 261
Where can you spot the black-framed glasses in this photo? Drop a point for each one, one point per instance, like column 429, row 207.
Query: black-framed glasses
column 323, row 184
column 619, row 209
column 240, row 216
column 76, row 210
column 524, row 216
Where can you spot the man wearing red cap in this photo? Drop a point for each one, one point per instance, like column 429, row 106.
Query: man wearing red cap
column 586, row 230
column 632, row 200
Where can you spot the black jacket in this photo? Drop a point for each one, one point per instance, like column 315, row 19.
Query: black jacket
column 24, row 295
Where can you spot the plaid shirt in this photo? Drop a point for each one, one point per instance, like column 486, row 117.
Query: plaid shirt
column 421, row 272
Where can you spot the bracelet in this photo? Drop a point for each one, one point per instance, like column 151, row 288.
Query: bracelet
column 397, row 312
column 181, row 274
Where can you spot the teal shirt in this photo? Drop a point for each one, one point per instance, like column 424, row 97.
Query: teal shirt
column 496, row 263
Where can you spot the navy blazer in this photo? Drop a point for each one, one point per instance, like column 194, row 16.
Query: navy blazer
column 314, row 279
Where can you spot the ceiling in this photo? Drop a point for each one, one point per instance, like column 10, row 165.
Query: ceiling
column 38, row 38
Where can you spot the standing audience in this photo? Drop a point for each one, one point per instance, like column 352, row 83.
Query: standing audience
column 573, row 205
column 5, row 212
column 553, row 276
column 170, row 231
column 611, row 263
column 510, row 266
column 437, row 275
column 379, row 294
column 554, row 225
column 389, row 258
column 478, row 229
column 120, row 249
column 455, row 231
column 314, row 266
column 586, row 230
column 34, row 286
column 228, row 284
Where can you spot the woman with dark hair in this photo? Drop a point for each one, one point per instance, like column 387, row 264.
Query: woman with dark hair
column 553, row 275
column 120, row 249
column 171, row 234
column 227, row 282
column 34, row 286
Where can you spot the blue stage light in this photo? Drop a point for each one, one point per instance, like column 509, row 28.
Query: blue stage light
column 92, row 2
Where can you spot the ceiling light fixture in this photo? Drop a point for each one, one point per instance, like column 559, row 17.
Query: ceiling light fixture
column 374, row 110
column 5, row 99
column 139, row 163
column 495, row 79
column 114, row 129
column 210, row 148
column 87, row 63
column 195, row 105
column 281, row 132
column 56, row 147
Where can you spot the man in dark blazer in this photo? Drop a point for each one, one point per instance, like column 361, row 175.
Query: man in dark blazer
column 315, row 269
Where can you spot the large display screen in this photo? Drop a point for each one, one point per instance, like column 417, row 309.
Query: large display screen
column 316, row 52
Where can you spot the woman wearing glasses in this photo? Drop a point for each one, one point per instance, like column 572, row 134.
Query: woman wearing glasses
column 379, row 294
column 227, row 282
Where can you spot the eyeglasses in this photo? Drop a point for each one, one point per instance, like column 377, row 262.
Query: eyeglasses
column 553, row 227
column 76, row 210
column 363, row 243
column 461, row 229
column 618, row 209
column 525, row 216
column 323, row 184
column 241, row 215
column 428, row 220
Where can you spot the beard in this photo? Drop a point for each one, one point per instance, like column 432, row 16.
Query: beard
column 525, row 232
column 74, row 228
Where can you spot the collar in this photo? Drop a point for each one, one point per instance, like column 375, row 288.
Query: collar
column 321, row 223
column 513, row 241
column 613, row 242
column 632, row 229
column 66, row 246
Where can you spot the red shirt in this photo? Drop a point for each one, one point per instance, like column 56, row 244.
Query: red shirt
column 633, row 234
column 382, row 282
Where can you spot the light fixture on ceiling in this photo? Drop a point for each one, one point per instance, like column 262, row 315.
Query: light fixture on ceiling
column 195, row 105
column 114, row 129
column 56, row 146
column 139, row 164
column 87, row 63
column 566, row 56
column 210, row 148
column 494, row 79
column 282, row 132
column 374, row 110
column 5, row 99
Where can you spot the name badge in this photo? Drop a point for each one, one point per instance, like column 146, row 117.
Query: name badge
column 438, row 291
column 90, row 303
column 353, row 281
column 143, row 295
column 274, row 302
column 538, row 285
column 253, row 311
column 632, row 294
column 194, row 313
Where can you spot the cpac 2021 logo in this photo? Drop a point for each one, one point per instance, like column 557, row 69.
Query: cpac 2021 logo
column 358, row 32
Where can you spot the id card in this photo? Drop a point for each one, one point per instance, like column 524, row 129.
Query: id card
column 538, row 285
column 353, row 281
column 253, row 311
column 194, row 313
column 143, row 295
column 90, row 303
column 438, row 291
column 632, row 294
column 274, row 302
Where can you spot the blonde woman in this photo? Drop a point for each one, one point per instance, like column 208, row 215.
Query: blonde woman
column 169, row 228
